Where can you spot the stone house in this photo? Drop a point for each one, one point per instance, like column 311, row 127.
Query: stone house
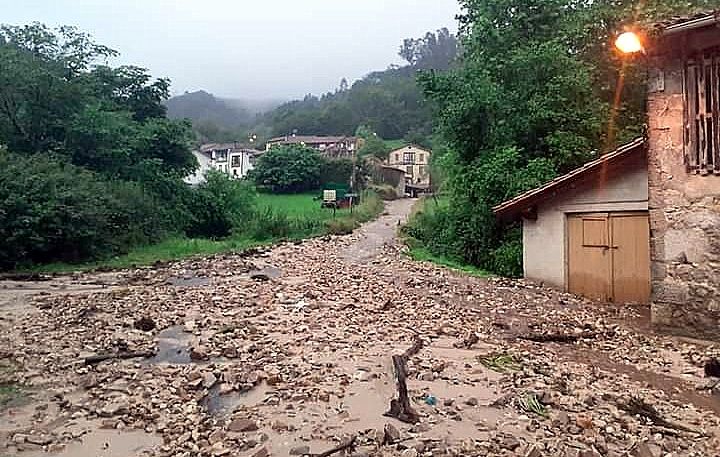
column 684, row 174
column 415, row 161
column 642, row 223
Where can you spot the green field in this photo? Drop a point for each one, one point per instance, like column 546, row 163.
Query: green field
column 298, row 205
column 278, row 218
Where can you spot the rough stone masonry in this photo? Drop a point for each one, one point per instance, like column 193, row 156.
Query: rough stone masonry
column 684, row 205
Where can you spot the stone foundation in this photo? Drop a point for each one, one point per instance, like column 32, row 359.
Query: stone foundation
column 684, row 221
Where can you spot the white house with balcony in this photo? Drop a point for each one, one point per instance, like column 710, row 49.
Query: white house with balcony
column 230, row 158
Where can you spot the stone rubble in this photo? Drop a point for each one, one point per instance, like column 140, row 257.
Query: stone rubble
column 299, row 362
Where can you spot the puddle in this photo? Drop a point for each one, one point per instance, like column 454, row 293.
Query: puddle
column 223, row 405
column 173, row 346
column 108, row 443
column 188, row 282
column 265, row 273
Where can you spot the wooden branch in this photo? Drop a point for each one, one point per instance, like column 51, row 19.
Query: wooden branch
column 95, row 359
column 401, row 408
column 349, row 444
column 557, row 337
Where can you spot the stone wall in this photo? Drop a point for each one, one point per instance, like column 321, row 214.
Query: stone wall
column 684, row 219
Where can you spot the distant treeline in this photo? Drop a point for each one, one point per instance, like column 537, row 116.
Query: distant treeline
column 388, row 102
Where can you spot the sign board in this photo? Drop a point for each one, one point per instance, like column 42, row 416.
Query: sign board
column 329, row 195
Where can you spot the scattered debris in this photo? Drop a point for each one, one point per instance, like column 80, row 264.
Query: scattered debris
column 712, row 368
column 502, row 363
column 145, row 324
column 530, row 403
column 401, row 408
column 95, row 359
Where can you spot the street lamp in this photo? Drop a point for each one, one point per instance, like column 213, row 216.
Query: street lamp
column 629, row 43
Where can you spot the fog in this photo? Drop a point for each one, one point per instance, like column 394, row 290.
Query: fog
column 248, row 49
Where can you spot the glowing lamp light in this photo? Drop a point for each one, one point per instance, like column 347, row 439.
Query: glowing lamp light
column 629, row 43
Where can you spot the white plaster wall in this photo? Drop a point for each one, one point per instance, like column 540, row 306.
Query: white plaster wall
column 245, row 167
column 199, row 175
column 544, row 242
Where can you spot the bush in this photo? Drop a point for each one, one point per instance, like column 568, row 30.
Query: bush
column 51, row 210
column 288, row 169
column 219, row 205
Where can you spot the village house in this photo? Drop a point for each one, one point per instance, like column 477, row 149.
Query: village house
column 414, row 161
column 642, row 223
column 333, row 147
column 230, row 158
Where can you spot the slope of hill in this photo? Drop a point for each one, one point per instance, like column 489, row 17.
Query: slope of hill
column 204, row 108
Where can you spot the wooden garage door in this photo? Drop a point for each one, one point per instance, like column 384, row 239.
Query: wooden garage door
column 609, row 256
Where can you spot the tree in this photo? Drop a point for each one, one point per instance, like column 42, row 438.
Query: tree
column 434, row 51
column 288, row 169
column 531, row 98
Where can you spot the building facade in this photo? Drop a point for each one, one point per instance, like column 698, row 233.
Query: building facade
column 333, row 147
column 230, row 158
column 642, row 223
column 415, row 162
column 684, row 175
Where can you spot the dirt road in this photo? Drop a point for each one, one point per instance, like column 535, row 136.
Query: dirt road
column 288, row 352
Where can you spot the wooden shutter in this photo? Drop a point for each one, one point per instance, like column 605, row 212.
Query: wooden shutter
column 702, row 112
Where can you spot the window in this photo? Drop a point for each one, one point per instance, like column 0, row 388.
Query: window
column 421, row 170
column 221, row 156
column 408, row 157
column 397, row 157
column 422, row 158
column 702, row 113
column 236, row 161
column 409, row 169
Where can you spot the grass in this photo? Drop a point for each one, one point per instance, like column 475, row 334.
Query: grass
column 420, row 253
column 501, row 363
column 9, row 393
column 298, row 205
column 280, row 217
column 175, row 248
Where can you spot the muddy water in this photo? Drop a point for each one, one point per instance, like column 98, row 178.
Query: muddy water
column 223, row 405
column 374, row 235
column 173, row 346
column 103, row 443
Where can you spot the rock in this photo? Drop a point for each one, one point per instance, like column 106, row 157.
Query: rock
column 647, row 450
column 19, row 438
column 509, row 442
column 533, row 451
column 40, row 440
column 472, row 401
column 198, row 353
column 300, row 450
column 391, row 434
column 712, row 368
column 561, row 419
column 118, row 406
column 410, row 453
column 242, row 425
column 263, row 452
column 209, row 379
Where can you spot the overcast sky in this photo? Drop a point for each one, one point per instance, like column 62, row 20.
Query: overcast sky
column 247, row 48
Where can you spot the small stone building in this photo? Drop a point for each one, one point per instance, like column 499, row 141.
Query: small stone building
column 684, row 174
column 642, row 223
column 415, row 161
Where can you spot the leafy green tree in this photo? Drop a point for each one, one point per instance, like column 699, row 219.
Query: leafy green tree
column 220, row 205
column 531, row 98
column 288, row 169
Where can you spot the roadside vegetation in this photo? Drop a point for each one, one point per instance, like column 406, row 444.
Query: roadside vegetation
column 531, row 97
column 425, row 216
column 278, row 218
column 91, row 169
